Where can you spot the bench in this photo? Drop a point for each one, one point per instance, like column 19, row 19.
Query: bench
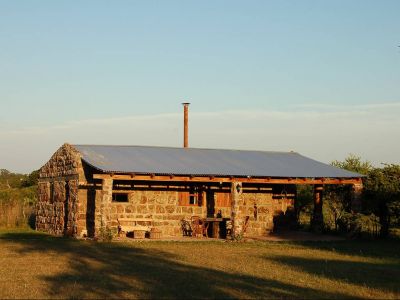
column 135, row 225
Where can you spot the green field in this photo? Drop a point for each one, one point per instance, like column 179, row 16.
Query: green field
column 34, row 265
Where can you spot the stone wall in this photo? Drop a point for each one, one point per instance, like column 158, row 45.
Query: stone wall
column 65, row 161
column 49, row 214
column 57, row 206
column 262, row 208
column 163, row 207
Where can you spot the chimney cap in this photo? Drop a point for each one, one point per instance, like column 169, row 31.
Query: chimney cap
column 185, row 103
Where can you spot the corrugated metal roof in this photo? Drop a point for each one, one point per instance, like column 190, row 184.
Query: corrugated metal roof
column 202, row 162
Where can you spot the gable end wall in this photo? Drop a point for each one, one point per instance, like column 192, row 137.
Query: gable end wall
column 56, row 210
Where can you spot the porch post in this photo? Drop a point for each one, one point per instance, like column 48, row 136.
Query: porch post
column 317, row 221
column 106, row 198
column 356, row 197
column 237, row 222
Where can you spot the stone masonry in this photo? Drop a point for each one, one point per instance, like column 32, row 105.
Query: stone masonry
column 57, row 206
column 72, row 203
column 163, row 207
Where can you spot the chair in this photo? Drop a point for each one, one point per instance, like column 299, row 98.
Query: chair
column 198, row 227
column 186, row 228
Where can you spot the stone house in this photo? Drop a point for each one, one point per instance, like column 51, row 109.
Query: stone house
column 84, row 188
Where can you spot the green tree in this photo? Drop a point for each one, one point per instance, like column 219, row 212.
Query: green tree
column 31, row 179
column 382, row 195
column 354, row 163
column 10, row 180
column 304, row 200
column 338, row 197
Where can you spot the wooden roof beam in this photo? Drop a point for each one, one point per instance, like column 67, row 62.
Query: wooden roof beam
column 192, row 178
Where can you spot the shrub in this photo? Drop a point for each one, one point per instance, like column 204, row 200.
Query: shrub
column 356, row 225
column 107, row 234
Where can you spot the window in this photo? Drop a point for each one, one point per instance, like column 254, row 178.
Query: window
column 192, row 197
column 119, row 197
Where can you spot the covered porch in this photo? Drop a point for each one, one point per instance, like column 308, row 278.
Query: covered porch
column 207, row 206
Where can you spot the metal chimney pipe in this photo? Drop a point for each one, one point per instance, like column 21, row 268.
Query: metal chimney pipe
column 186, row 124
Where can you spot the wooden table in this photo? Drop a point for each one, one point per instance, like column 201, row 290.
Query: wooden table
column 216, row 224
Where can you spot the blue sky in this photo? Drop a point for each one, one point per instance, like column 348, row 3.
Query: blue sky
column 317, row 77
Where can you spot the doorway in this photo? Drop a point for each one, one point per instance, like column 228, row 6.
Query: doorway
column 210, row 203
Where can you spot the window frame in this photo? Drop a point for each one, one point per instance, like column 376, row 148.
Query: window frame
column 116, row 194
column 191, row 197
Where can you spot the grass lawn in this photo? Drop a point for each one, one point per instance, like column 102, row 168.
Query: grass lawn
column 34, row 265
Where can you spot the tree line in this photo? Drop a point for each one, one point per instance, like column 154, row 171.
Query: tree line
column 380, row 199
column 379, row 214
column 17, row 198
column 10, row 180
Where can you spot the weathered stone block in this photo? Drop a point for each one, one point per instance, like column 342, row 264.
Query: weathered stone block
column 142, row 209
column 170, row 209
column 161, row 200
column 171, row 200
column 143, row 200
column 263, row 210
column 160, row 209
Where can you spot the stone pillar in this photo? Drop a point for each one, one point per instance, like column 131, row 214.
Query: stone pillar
column 237, row 221
column 74, row 204
column 105, row 205
column 356, row 197
column 317, row 221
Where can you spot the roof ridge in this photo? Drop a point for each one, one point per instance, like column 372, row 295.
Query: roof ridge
column 191, row 148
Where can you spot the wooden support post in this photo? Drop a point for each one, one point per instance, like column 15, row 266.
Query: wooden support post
column 317, row 221
column 105, row 205
column 237, row 222
column 356, row 197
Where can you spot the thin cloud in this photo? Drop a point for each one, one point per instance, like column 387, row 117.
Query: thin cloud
column 313, row 111
column 323, row 106
column 323, row 134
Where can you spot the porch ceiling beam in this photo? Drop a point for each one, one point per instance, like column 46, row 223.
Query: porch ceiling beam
column 176, row 178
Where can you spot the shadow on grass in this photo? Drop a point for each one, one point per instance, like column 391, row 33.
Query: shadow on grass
column 126, row 271
column 383, row 275
column 378, row 276
column 384, row 248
